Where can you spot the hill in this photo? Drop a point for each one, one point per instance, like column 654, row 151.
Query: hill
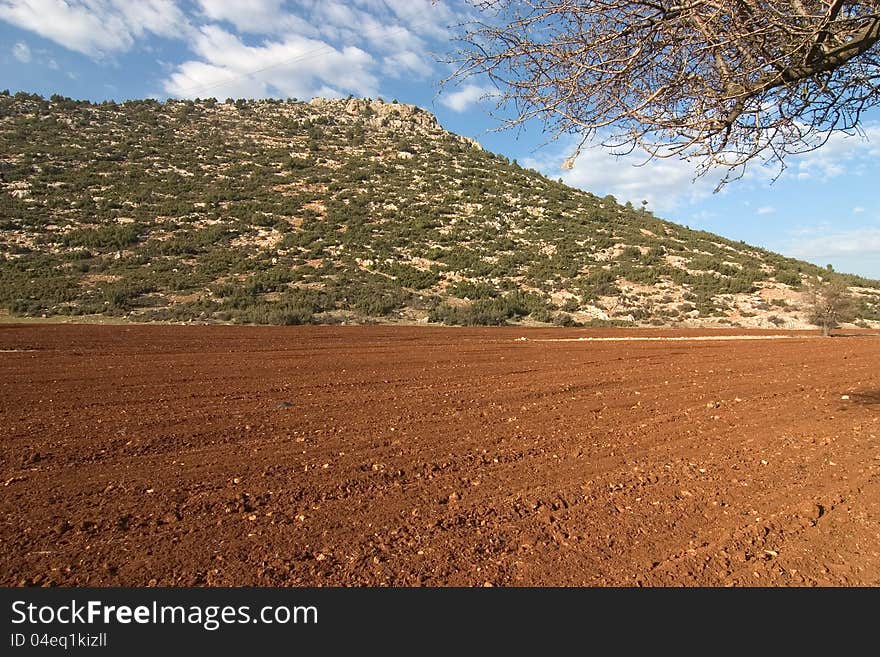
column 287, row 212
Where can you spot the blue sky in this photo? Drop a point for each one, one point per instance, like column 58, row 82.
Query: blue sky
column 824, row 208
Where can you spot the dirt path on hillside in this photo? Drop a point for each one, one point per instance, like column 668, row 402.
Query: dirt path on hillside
column 178, row 455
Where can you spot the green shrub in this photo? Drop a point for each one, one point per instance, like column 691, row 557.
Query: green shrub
column 407, row 276
column 788, row 277
column 105, row 237
column 481, row 313
column 472, row 291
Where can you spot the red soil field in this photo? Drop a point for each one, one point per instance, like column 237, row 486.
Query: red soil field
column 308, row 456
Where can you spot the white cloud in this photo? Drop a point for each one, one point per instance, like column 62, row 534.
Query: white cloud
column 325, row 47
column 463, row 99
column 21, row 52
column 396, row 33
column 317, row 47
column 294, row 67
column 75, row 26
column 842, row 154
column 403, row 63
column 861, row 241
column 400, row 37
column 852, row 248
column 160, row 17
column 386, row 37
column 858, row 210
column 664, row 183
column 428, row 18
column 256, row 16
column 95, row 27
column 667, row 183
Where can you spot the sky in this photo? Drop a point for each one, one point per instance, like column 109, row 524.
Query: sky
column 824, row 208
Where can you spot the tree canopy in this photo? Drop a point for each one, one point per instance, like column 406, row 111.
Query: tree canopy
column 721, row 82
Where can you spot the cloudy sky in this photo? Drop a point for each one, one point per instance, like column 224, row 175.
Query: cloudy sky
column 825, row 207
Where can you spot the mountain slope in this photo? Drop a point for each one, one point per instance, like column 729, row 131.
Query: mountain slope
column 341, row 210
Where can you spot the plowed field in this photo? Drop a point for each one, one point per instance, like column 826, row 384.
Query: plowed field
column 305, row 456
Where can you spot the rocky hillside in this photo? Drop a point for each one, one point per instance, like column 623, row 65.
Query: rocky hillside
column 342, row 210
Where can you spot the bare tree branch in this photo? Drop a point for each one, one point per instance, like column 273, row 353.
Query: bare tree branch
column 724, row 83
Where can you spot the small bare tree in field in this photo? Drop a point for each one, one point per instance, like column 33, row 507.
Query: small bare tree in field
column 828, row 304
column 722, row 82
